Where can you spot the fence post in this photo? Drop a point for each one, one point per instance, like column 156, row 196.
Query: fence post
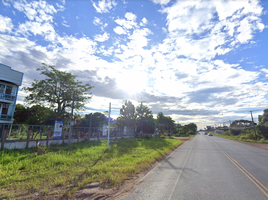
column 63, row 136
column 78, row 134
column 48, row 135
column 28, row 136
column 89, row 133
column 98, row 135
column 3, row 137
column 40, row 133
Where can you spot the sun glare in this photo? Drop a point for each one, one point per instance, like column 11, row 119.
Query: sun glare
column 132, row 81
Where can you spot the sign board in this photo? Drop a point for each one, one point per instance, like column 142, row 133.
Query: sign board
column 104, row 130
column 58, row 130
column 125, row 130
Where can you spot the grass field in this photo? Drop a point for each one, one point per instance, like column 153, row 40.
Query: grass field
column 67, row 169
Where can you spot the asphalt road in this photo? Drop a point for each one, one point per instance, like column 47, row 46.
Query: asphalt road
column 208, row 167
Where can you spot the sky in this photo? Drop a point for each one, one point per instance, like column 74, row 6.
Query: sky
column 202, row 62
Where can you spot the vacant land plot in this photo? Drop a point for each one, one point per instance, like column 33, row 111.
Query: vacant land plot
column 63, row 170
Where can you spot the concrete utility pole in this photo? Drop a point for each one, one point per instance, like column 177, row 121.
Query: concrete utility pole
column 71, row 121
column 253, row 125
column 142, row 115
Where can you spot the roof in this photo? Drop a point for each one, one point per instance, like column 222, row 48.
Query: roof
column 9, row 75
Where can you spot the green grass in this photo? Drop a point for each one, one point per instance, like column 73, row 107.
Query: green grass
column 68, row 169
column 242, row 137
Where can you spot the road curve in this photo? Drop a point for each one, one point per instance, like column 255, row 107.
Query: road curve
column 207, row 168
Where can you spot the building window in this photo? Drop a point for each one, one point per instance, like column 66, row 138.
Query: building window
column 4, row 109
column 8, row 89
column 2, row 88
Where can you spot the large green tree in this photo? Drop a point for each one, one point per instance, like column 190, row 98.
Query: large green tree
column 127, row 115
column 145, row 119
column 58, row 90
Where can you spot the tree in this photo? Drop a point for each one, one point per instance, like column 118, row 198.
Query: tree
column 36, row 115
column 40, row 115
column 97, row 119
column 145, row 118
column 20, row 115
column 262, row 127
column 127, row 115
column 58, row 90
column 238, row 126
column 189, row 128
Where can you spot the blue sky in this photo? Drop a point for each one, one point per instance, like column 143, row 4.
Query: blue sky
column 197, row 61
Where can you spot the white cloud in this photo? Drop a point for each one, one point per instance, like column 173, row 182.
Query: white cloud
column 101, row 38
column 265, row 71
column 143, row 22
column 37, row 28
column 97, row 21
column 104, row 6
column 64, row 23
column 119, row 30
column 162, row 2
column 60, row 7
column 5, row 24
column 5, row 3
column 130, row 16
column 37, row 10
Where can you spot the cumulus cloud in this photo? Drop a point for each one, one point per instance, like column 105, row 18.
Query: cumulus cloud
column 104, row 6
column 102, row 38
column 119, row 30
column 5, row 24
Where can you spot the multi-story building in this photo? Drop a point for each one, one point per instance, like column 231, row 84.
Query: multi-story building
column 10, row 80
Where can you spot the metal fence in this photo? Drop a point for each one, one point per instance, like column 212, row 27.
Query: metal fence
column 25, row 136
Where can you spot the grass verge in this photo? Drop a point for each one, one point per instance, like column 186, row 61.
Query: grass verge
column 65, row 170
column 242, row 137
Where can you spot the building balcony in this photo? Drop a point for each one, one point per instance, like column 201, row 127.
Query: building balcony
column 8, row 97
column 5, row 117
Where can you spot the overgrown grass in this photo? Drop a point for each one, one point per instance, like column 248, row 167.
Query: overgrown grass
column 249, row 137
column 68, row 169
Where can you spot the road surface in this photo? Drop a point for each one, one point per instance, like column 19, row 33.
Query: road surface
column 207, row 167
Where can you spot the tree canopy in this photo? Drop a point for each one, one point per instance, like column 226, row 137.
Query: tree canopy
column 127, row 115
column 58, row 90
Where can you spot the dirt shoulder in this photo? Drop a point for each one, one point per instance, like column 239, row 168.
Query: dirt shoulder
column 116, row 193
column 260, row 145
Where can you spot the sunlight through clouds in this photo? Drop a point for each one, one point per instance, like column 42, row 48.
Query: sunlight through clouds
column 189, row 59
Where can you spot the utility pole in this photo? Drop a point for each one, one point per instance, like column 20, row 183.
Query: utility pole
column 230, row 126
column 71, row 121
column 142, row 116
column 109, row 126
column 253, row 125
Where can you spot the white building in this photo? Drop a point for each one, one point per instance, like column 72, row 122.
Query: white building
column 10, row 80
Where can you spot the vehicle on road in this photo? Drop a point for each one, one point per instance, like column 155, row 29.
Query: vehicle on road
column 210, row 134
column 206, row 133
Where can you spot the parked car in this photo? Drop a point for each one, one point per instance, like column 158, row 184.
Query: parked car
column 206, row 133
column 210, row 134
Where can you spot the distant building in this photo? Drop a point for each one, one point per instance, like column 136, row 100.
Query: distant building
column 10, row 80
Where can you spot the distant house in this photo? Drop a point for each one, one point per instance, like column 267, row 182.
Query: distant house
column 10, row 80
